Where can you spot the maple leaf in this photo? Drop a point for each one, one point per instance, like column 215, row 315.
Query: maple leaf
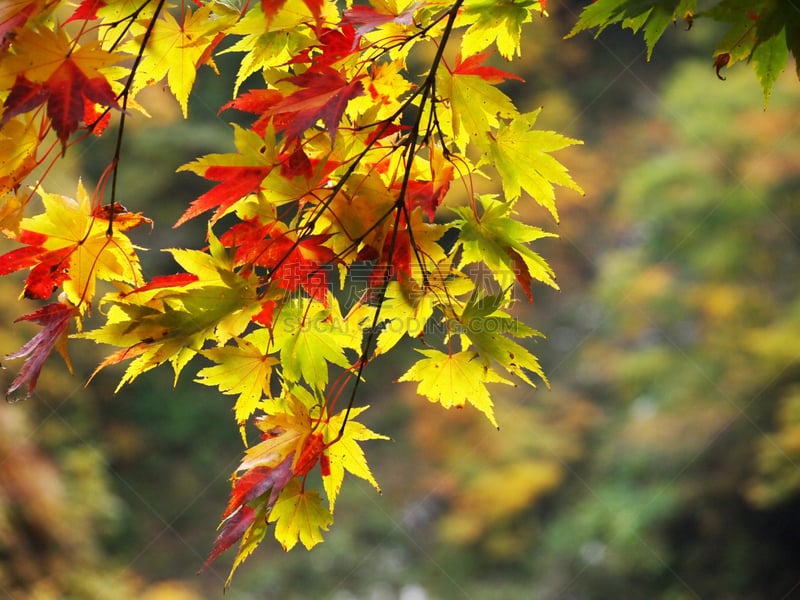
column 334, row 46
column 407, row 307
column 500, row 241
column 367, row 18
column 257, row 482
column 268, row 43
column 652, row 17
column 476, row 106
column 244, row 370
column 487, row 328
column 311, row 337
column 172, row 320
column 474, row 65
column 293, row 263
column 258, row 102
column 176, row 50
column 55, row 320
column 359, row 211
column 284, row 435
column 323, row 95
column 428, row 195
column 86, row 11
column 240, row 174
column 453, row 380
column 19, row 140
column 62, row 74
column 14, row 14
column 231, row 531
column 272, row 7
column 266, row 471
column 492, row 21
column 539, row 171
column 73, row 246
column 250, row 540
column 299, row 516
column 345, row 453
column 386, row 89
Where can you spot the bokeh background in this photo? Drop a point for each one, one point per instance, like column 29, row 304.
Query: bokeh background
column 663, row 463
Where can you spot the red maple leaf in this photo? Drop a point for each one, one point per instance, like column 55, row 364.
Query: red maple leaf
column 521, row 272
column 86, row 11
column 258, row 102
column 294, row 264
column 428, row 195
column 296, row 163
column 236, row 183
column 238, row 515
column 164, row 281
column 474, row 65
column 96, row 119
column 394, row 260
column 366, row 18
column 55, row 320
column 323, row 94
column 66, row 92
column 313, row 451
column 232, row 531
column 258, row 481
column 49, row 268
column 335, row 45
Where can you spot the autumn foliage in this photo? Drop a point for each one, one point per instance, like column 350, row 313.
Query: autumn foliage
column 369, row 125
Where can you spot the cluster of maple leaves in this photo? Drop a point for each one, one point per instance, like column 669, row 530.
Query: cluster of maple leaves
column 333, row 231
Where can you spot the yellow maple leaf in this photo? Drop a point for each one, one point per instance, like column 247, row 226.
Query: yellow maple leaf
column 299, row 516
column 285, row 433
column 454, row 379
column 176, row 50
column 19, row 139
column 39, row 53
column 345, row 454
column 244, row 369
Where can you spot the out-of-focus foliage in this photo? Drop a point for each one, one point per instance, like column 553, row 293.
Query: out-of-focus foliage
column 693, row 474
column 58, row 508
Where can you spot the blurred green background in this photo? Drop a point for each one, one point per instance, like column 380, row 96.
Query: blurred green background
column 664, row 463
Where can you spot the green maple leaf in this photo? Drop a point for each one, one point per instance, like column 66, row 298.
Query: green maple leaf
column 652, row 17
column 346, row 453
column 299, row 515
column 311, row 337
column 244, row 370
column 537, row 172
column 453, row 380
column 769, row 60
column 487, row 328
column 500, row 241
